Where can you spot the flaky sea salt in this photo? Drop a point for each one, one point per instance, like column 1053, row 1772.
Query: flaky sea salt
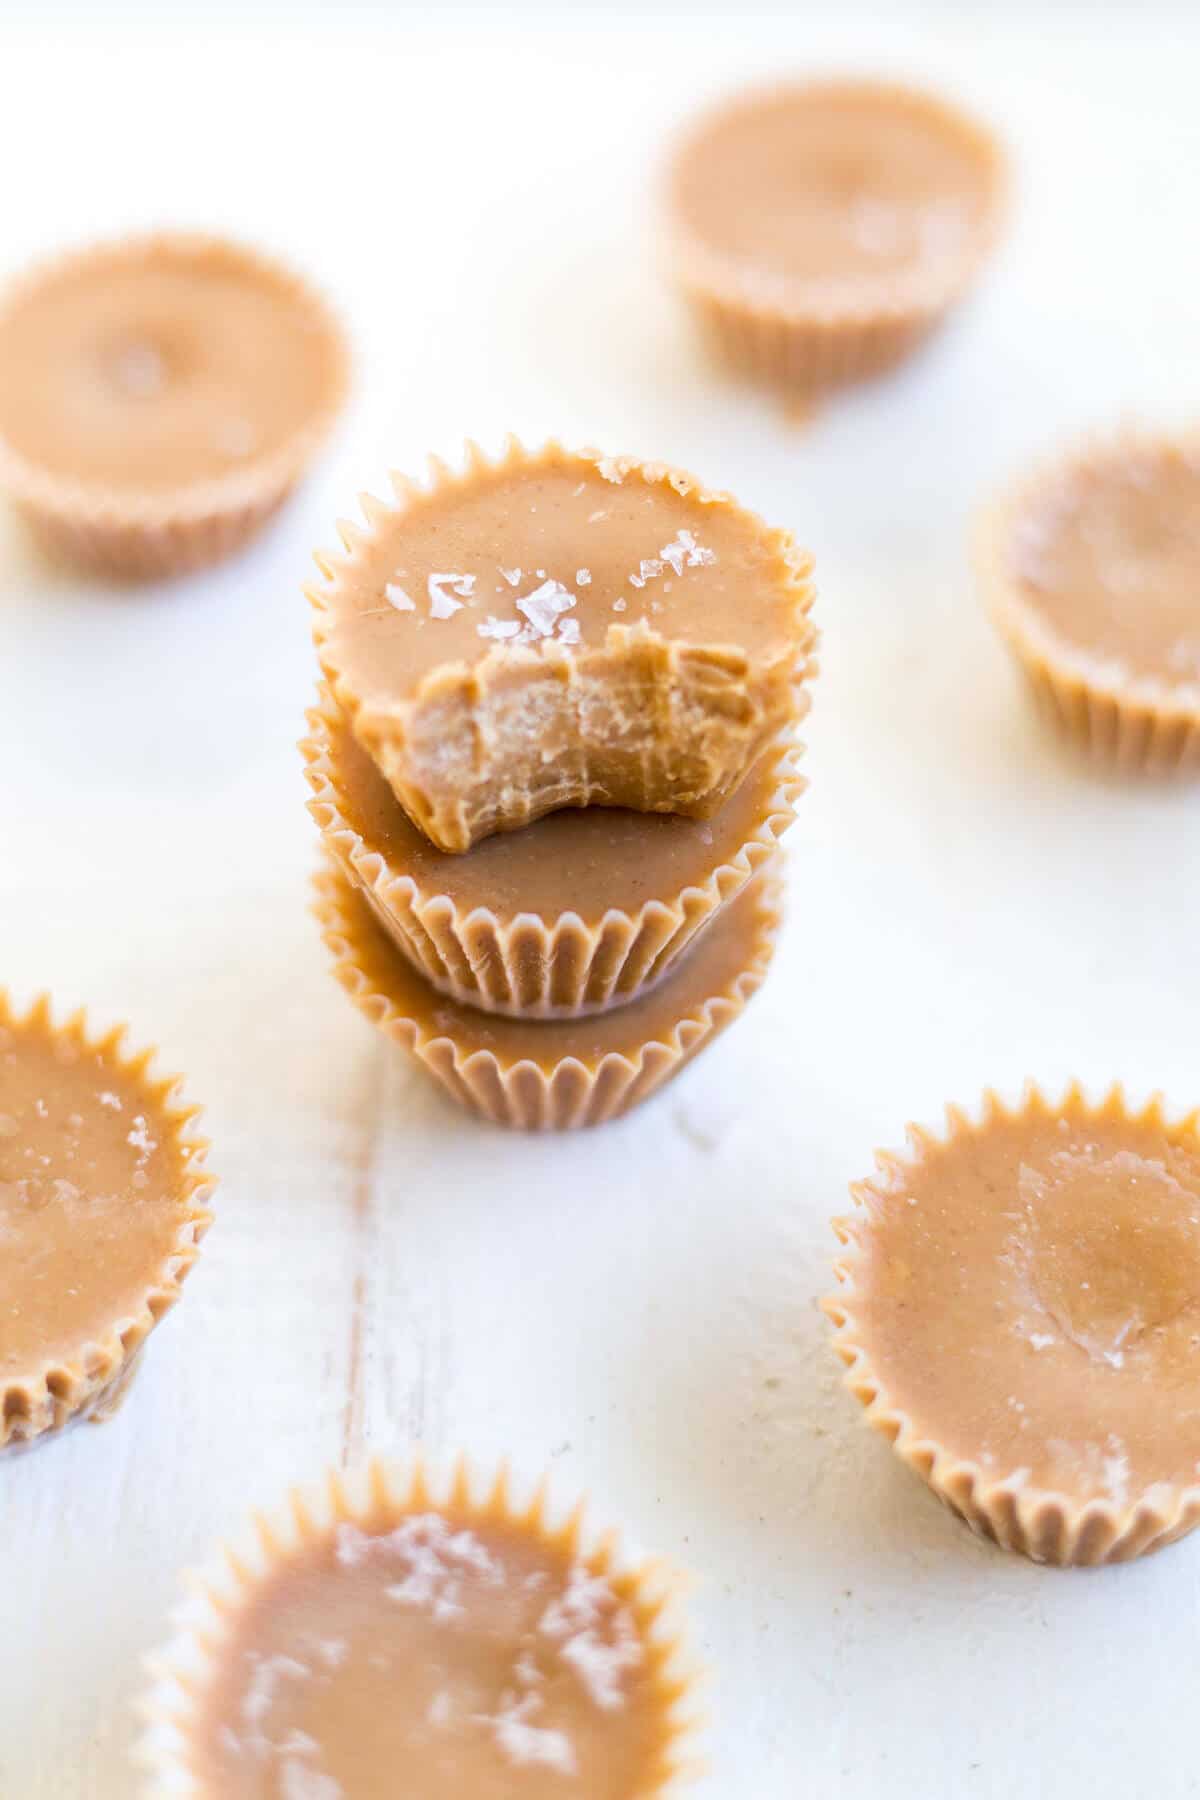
column 684, row 552
column 443, row 604
column 268, row 1673
column 528, row 1745
column 583, row 577
column 395, row 596
column 351, row 1546
column 600, row 1665
column 512, row 576
column 1115, row 1465
column 432, row 1557
column 649, row 567
column 595, row 1640
column 299, row 1781
column 543, row 606
column 500, row 629
column 298, row 1743
column 139, row 1137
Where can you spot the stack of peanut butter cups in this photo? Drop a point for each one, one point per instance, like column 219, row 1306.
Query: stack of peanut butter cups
column 551, row 759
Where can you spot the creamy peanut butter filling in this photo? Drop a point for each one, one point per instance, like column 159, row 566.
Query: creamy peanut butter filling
column 148, row 367
column 436, row 1655
column 585, row 862
column 1029, row 1297
column 1107, row 554
column 92, row 1185
column 829, row 190
column 564, row 630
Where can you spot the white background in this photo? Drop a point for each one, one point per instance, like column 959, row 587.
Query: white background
column 635, row 1308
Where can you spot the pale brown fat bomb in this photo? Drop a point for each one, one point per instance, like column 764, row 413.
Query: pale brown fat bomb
column 563, row 630
column 102, row 1195
column 1091, row 569
column 440, row 1647
column 554, row 1074
column 820, row 229
column 1020, row 1313
column 160, row 396
column 580, row 912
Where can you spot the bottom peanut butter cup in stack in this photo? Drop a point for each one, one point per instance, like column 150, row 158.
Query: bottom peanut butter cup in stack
column 553, row 1074
column 102, row 1208
column 394, row 1634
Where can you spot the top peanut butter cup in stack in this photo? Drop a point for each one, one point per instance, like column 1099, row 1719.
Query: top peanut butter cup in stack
column 561, row 629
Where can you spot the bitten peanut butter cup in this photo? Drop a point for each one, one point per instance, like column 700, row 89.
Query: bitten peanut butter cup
column 578, row 913
column 396, row 1633
column 548, row 1074
column 1091, row 570
column 102, row 1207
column 1018, row 1314
column 821, row 230
column 562, row 629
column 160, row 397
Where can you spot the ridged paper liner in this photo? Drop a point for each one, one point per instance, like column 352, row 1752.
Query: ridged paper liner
column 524, row 963
column 709, row 709
column 1041, row 1523
column 565, row 1087
column 381, row 1496
column 119, row 532
column 808, row 345
column 1135, row 724
column 91, row 1383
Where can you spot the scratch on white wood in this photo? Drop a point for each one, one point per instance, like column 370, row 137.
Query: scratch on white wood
column 406, row 1348
column 361, row 1203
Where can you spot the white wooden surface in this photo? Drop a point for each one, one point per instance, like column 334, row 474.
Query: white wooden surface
column 635, row 1308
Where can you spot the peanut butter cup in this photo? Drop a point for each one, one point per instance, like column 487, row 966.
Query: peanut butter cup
column 102, row 1208
column 160, row 397
column 1091, row 568
column 580, row 912
column 387, row 1637
column 547, row 1074
column 1020, row 1315
column 821, row 230
column 562, row 630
